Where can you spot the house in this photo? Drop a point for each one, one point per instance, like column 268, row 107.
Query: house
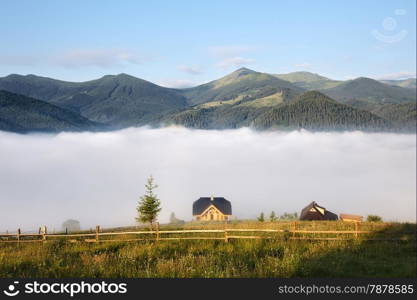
column 350, row 218
column 212, row 209
column 313, row 211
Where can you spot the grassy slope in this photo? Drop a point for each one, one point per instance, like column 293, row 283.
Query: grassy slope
column 406, row 83
column 244, row 84
column 238, row 258
column 309, row 81
column 20, row 114
column 371, row 91
column 233, row 101
column 311, row 110
column 120, row 100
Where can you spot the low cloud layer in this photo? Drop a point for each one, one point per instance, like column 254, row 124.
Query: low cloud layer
column 97, row 178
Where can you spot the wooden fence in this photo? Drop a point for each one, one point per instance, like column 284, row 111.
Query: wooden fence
column 225, row 234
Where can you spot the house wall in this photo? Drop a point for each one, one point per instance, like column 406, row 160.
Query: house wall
column 312, row 215
column 212, row 214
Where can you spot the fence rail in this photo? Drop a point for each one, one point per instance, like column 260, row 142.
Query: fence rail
column 222, row 234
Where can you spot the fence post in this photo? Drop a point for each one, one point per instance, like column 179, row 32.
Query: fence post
column 97, row 232
column 18, row 234
column 66, row 230
column 157, row 231
column 226, row 237
column 294, row 228
column 356, row 229
column 45, row 231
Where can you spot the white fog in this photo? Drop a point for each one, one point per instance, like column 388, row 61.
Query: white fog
column 97, row 178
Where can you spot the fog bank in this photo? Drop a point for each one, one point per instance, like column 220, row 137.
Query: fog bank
column 97, row 178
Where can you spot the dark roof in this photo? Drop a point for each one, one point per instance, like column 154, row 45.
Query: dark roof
column 306, row 214
column 200, row 205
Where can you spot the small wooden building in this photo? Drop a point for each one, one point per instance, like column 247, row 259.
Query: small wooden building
column 313, row 211
column 351, row 218
column 212, row 209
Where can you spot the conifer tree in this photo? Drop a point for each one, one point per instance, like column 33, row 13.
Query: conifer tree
column 149, row 204
column 272, row 217
column 261, row 217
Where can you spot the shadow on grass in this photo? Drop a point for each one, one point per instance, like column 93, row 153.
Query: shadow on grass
column 366, row 258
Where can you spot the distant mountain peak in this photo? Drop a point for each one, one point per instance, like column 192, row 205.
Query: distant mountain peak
column 125, row 75
column 364, row 79
column 302, row 76
column 314, row 95
column 243, row 71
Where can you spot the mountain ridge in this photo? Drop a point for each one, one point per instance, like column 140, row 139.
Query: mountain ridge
column 19, row 113
column 232, row 101
column 119, row 100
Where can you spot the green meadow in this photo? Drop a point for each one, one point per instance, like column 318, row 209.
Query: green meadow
column 277, row 256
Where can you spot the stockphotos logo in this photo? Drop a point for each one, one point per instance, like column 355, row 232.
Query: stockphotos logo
column 70, row 289
column 12, row 290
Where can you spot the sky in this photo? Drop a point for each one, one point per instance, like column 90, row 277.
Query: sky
column 185, row 43
column 97, row 178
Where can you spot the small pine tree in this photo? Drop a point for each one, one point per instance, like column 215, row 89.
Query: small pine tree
column 272, row 217
column 261, row 217
column 149, row 204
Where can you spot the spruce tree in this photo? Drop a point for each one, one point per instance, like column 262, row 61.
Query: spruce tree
column 261, row 217
column 149, row 204
column 272, row 217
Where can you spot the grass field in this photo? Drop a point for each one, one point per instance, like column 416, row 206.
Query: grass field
column 214, row 258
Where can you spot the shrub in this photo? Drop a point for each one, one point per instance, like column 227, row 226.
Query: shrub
column 374, row 218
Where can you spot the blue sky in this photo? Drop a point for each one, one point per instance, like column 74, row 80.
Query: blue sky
column 182, row 43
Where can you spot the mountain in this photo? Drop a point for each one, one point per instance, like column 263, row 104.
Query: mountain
column 371, row 91
column 364, row 89
column 242, row 98
column 311, row 110
column 301, row 77
column 118, row 100
column 405, row 83
column 314, row 110
column 402, row 116
column 19, row 113
column 222, row 116
column 232, row 101
column 242, row 85
column 309, row 81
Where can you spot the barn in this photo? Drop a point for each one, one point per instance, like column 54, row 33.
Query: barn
column 212, row 209
column 313, row 211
